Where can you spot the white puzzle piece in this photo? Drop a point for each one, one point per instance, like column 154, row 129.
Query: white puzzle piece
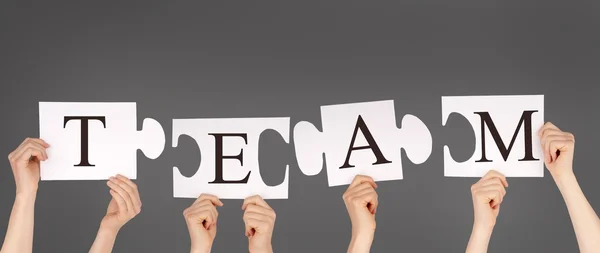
column 507, row 113
column 112, row 140
column 382, row 161
column 238, row 139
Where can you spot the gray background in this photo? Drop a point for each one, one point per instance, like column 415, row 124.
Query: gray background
column 200, row 59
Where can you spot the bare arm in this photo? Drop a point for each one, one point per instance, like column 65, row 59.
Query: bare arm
column 19, row 235
column 559, row 147
column 487, row 194
column 585, row 220
column 25, row 163
column 124, row 206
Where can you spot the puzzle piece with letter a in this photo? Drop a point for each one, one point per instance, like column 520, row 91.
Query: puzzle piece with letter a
column 360, row 138
column 94, row 141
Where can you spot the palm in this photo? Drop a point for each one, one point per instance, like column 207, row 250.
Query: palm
column 112, row 218
column 31, row 174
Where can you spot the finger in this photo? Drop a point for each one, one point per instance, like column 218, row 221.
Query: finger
column 559, row 145
column 492, row 194
column 33, row 140
column 368, row 198
column 206, row 217
column 260, row 209
column 134, row 197
column 494, row 174
column 550, row 149
column 212, row 198
column 121, row 205
column 359, row 179
column 358, row 188
column 493, row 181
column 549, row 132
column 492, row 187
column 30, row 149
column 206, row 205
column 547, row 126
column 116, row 187
column 257, row 216
column 40, row 141
column 257, row 225
column 492, row 198
column 134, row 188
column 126, row 180
column 256, row 200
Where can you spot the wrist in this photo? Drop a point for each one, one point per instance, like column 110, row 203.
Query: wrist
column 363, row 236
column 107, row 229
column 200, row 249
column 563, row 178
column 26, row 195
column 108, row 232
column 261, row 249
column 361, row 242
column 484, row 227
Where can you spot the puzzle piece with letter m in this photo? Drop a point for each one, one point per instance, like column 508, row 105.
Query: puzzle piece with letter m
column 94, row 141
column 360, row 138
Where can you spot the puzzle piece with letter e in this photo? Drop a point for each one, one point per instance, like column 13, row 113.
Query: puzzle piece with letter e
column 360, row 138
column 94, row 141
column 229, row 167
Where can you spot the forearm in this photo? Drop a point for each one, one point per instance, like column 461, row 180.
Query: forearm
column 480, row 239
column 585, row 220
column 361, row 243
column 19, row 235
column 104, row 242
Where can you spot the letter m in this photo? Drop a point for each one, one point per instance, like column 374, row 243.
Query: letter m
column 525, row 121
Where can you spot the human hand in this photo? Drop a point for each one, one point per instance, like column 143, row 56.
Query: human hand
column 25, row 163
column 201, row 219
column 259, row 218
column 124, row 205
column 488, row 194
column 558, row 148
column 361, row 201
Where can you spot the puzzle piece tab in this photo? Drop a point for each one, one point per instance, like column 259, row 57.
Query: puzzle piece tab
column 360, row 138
column 94, row 141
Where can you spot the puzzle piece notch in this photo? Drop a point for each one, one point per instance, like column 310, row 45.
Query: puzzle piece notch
column 415, row 138
column 151, row 139
column 307, row 138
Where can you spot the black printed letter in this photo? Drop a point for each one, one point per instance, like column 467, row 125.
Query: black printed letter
column 360, row 124
column 84, row 136
column 525, row 120
column 219, row 159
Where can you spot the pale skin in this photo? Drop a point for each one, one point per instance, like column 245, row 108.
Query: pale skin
column 201, row 219
column 361, row 201
column 25, row 164
column 124, row 206
column 558, row 147
column 487, row 194
column 259, row 219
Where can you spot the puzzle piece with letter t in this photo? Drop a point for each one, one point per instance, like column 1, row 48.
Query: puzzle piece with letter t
column 360, row 138
column 94, row 141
